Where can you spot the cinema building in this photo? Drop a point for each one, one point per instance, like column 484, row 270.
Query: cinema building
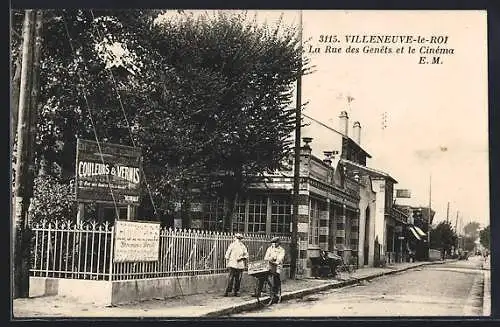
column 344, row 206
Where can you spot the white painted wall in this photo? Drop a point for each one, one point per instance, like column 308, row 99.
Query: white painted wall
column 367, row 200
column 379, row 218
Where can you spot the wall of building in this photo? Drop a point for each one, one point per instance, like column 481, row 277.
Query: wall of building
column 379, row 218
column 367, row 200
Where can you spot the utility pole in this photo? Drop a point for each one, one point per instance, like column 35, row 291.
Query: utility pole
column 429, row 218
column 24, row 172
column 448, row 213
column 296, row 176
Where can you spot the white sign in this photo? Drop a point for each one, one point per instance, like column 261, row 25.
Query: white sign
column 136, row 241
column 303, row 227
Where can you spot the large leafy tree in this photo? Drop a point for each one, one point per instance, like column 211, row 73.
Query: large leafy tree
column 237, row 122
column 205, row 97
column 443, row 236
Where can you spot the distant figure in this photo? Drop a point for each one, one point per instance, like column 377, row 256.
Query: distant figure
column 486, row 254
column 236, row 258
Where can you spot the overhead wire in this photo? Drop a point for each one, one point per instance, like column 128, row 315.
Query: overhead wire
column 84, row 93
column 125, row 116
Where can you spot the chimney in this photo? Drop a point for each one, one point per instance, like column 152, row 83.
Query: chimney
column 344, row 122
column 328, row 157
column 356, row 128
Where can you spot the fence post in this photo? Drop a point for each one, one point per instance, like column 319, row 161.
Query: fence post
column 216, row 259
column 111, row 254
column 49, row 242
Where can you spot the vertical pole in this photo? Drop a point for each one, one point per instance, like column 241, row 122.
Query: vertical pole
column 15, row 85
column 111, row 253
column 429, row 218
column 21, row 238
column 298, row 119
column 130, row 212
column 401, row 250
column 448, row 213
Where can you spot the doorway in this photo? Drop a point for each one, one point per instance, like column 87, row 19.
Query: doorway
column 366, row 244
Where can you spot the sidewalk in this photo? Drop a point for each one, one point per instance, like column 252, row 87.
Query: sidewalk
column 487, row 287
column 199, row 305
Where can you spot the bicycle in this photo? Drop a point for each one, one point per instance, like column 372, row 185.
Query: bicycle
column 260, row 270
column 343, row 267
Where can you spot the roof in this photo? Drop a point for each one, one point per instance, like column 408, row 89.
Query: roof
column 371, row 171
column 334, row 130
column 357, row 146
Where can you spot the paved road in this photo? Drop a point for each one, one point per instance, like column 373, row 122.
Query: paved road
column 453, row 289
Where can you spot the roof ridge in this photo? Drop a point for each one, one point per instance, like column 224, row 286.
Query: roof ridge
column 377, row 171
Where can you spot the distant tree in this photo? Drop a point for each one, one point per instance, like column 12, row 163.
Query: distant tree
column 484, row 237
column 443, row 236
column 469, row 243
column 472, row 230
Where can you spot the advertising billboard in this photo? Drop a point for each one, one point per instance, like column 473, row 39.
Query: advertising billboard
column 107, row 173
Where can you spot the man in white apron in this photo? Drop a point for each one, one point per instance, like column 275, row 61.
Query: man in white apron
column 236, row 257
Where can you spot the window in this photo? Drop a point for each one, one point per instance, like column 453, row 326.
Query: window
column 239, row 217
column 314, row 222
column 281, row 215
column 213, row 215
column 257, row 213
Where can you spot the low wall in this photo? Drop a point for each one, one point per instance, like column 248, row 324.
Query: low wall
column 144, row 289
column 126, row 291
column 79, row 290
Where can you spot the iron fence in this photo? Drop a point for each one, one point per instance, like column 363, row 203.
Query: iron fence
column 85, row 251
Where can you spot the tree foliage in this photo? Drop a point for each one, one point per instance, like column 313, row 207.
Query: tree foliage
column 484, row 237
column 443, row 236
column 52, row 200
column 206, row 98
column 472, row 230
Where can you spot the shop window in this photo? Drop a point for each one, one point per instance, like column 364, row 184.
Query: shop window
column 239, row 217
column 257, row 214
column 281, row 215
column 213, row 215
column 314, row 222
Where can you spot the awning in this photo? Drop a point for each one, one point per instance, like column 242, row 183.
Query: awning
column 414, row 233
column 419, row 231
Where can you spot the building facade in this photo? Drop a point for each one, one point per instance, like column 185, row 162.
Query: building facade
column 344, row 206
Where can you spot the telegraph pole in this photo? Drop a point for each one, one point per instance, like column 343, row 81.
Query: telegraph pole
column 296, row 175
column 429, row 219
column 24, row 172
column 448, row 213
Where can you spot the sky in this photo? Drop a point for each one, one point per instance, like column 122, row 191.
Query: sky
column 437, row 115
column 436, row 129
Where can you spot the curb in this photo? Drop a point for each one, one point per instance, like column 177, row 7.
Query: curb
column 252, row 304
column 486, row 292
